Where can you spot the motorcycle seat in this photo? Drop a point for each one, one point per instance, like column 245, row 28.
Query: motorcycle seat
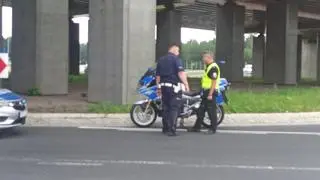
column 191, row 94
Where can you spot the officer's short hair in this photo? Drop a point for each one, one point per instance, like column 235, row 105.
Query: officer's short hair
column 173, row 44
column 209, row 53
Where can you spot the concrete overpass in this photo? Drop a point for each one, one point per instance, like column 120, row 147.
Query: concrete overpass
column 122, row 45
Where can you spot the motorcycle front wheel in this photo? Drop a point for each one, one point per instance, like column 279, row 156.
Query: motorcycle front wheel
column 143, row 116
column 220, row 116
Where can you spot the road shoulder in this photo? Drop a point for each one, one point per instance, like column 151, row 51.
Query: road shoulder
column 123, row 120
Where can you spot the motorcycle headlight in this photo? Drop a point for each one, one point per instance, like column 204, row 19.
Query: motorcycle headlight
column 24, row 102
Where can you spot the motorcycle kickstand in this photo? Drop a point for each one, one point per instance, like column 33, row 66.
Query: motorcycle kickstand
column 181, row 123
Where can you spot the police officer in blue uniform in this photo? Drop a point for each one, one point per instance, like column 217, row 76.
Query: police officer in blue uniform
column 169, row 74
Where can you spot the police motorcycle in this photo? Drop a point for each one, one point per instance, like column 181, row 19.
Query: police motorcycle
column 144, row 112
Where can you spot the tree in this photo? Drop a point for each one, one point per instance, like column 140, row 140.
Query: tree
column 83, row 54
column 248, row 46
column 7, row 45
column 190, row 52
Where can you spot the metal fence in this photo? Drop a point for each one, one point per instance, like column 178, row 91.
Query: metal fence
column 193, row 65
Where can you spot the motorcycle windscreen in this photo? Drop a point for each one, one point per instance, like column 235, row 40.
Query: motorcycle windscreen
column 223, row 82
column 148, row 78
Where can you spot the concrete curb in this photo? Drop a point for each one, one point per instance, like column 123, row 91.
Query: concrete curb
column 75, row 115
column 123, row 120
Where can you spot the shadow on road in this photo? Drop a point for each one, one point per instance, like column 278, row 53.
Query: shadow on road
column 11, row 133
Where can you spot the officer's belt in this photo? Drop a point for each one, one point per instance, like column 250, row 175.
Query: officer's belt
column 176, row 88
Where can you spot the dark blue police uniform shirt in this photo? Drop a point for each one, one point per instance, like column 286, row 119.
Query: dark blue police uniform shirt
column 168, row 68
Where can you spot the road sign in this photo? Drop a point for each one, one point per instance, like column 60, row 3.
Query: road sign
column 4, row 68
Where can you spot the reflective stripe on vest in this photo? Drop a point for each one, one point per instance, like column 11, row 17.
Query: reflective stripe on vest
column 206, row 81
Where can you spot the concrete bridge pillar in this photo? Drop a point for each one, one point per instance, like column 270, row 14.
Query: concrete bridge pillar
column 74, row 48
column 230, row 40
column 258, row 55
column 40, row 46
column 121, row 47
column 281, row 50
column 318, row 58
column 309, row 60
column 168, row 31
column 1, row 37
column 299, row 58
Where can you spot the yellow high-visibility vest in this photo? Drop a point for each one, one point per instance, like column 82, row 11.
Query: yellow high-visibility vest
column 206, row 81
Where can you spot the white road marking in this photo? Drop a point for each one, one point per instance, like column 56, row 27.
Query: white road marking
column 117, row 161
column 97, row 163
column 250, row 167
column 270, row 132
column 19, row 159
column 271, row 124
column 178, row 165
column 93, row 127
column 243, row 132
column 123, row 129
column 219, row 131
column 69, row 164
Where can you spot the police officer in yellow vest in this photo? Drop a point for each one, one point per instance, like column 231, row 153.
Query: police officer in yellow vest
column 210, row 85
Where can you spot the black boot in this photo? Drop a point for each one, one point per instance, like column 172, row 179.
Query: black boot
column 193, row 129
column 164, row 130
column 172, row 133
column 211, row 131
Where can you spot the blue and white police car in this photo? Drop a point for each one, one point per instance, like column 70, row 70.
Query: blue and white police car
column 13, row 109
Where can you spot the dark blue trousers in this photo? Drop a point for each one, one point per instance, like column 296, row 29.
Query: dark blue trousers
column 210, row 107
column 171, row 104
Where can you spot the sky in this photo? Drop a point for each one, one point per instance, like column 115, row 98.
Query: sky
column 186, row 33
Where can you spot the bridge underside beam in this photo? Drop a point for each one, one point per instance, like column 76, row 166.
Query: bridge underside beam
column 207, row 21
column 309, row 26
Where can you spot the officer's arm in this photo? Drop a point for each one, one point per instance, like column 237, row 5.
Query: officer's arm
column 182, row 74
column 184, row 79
column 158, row 81
column 213, row 74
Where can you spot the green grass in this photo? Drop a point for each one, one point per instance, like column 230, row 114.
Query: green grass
column 281, row 100
column 34, row 92
column 293, row 99
column 252, row 80
column 108, row 108
column 78, row 78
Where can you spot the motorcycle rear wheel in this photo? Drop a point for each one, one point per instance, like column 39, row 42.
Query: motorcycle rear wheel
column 141, row 116
column 220, row 117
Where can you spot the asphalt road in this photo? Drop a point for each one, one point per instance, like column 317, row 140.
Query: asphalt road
column 90, row 154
